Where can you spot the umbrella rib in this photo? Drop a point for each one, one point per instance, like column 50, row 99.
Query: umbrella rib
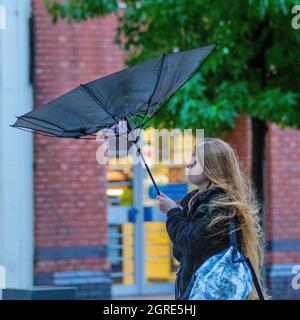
column 155, row 113
column 138, row 115
column 41, row 126
column 41, row 133
column 36, row 131
column 131, row 116
column 95, row 98
column 171, row 96
column 157, row 81
column 158, row 78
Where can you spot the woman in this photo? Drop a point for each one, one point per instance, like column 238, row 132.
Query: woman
column 199, row 226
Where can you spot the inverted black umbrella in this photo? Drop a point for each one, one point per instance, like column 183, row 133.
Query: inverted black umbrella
column 134, row 94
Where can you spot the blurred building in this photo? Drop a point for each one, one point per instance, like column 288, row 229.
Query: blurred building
column 65, row 220
column 16, row 151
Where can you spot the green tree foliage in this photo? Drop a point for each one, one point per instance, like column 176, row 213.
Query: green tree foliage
column 254, row 70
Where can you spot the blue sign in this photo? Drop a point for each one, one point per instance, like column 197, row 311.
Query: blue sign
column 175, row 191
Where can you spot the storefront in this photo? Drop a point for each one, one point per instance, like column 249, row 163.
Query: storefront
column 140, row 251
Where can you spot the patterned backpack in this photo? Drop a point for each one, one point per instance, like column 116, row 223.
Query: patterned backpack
column 227, row 275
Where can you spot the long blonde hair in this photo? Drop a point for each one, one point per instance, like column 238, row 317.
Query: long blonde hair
column 221, row 168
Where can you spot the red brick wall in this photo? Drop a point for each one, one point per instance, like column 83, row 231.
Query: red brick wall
column 70, row 186
column 282, row 223
column 283, row 190
column 240, row 140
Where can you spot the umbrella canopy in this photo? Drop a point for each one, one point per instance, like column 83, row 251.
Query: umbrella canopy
column 133, row 94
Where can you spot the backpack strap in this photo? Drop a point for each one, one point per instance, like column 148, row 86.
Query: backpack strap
column 255, row 280
column 233, row 242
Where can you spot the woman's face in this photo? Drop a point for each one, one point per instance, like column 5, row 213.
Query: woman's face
column 195, row 172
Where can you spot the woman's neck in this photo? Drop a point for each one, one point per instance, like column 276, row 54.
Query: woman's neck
column 203, row 186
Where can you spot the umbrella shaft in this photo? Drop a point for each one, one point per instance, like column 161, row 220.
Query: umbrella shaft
column 142, row 156
column 148, row 170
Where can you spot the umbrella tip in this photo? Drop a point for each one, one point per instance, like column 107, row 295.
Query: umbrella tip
column 14, row 124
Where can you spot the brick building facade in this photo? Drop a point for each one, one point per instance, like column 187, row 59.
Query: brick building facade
column 70, row 187
column 282, row 210
column 70, row 200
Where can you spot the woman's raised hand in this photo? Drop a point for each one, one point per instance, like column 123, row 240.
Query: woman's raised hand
column 165, row 203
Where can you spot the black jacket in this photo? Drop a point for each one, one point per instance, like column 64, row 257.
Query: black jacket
column 192, row 243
